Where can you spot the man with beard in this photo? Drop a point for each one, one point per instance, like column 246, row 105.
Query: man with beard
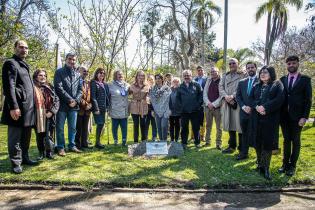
column 295, row 111
column 18, row 109
column 242, row 97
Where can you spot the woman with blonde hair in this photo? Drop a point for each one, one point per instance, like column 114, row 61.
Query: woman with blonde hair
column 150, row 117
column 138, row 105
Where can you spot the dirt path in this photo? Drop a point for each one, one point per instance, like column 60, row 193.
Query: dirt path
column 55, row 199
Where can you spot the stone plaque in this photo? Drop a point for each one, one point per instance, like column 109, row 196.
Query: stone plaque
column 156, row 148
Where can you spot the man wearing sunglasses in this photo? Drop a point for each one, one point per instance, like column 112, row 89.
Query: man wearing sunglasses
column 230, row 109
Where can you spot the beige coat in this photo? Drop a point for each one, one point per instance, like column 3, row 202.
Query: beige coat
column 228, row 86
column 139, row 101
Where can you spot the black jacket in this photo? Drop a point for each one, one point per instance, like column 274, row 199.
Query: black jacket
column 100, row 97
column 242, row 97
column 189, row 99
column 298, row 101
column 18, row 90
column 68, row 87
column 271, row 98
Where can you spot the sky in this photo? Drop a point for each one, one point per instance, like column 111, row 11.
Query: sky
column 242, row 28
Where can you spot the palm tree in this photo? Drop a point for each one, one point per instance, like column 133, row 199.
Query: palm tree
column 203, row 13
column 277, row 21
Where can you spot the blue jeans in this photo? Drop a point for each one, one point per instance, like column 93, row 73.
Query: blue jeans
column 123, row 127
column 162, row 127
column 71, row 117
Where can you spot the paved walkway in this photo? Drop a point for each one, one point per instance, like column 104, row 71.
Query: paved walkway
column 55, row 199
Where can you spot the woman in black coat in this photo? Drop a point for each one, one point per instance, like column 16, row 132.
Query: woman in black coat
column 267, row 97
column 100, row 98
column 47, row 105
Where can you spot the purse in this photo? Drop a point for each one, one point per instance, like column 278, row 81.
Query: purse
column 234, row 105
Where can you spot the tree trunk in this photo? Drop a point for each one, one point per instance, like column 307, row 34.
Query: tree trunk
column 203, row 47
column 225, row 34
column 168, row 51
column 267, row 53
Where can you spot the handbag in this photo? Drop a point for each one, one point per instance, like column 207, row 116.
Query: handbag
column 234, row 105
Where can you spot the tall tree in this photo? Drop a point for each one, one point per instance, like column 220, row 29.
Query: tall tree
column 204, row 13
column 277, row 21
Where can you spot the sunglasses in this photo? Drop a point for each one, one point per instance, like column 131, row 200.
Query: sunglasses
column 102, row 73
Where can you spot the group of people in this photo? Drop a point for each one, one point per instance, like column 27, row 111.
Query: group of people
column 251, row 104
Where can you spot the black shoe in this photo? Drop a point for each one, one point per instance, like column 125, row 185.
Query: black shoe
column 17, row 169
column 184, row 146
column 198, row 146
column 261, row 170
column 29, row 162
column 41, row 157
column 49, row 156
column 290, row 171
column 218, row 147
column 283, row 169
column 267, row 174
column 124, row 144
column 228, row 150
column 241, row 157
column 99, row 146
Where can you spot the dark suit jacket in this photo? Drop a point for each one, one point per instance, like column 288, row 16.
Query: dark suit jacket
column 204, row 80
column 68, row 87
column 241, row 96
column 298, row 101
column 18, row 90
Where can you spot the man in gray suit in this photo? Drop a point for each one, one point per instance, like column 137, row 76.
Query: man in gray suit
column 242, row 97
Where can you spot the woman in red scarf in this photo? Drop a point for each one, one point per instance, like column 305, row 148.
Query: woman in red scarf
column 47, row 105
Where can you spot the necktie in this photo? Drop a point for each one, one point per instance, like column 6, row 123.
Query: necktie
column 249, row 87
column 291, row 83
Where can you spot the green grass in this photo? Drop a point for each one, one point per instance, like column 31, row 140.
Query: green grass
column 205, row 167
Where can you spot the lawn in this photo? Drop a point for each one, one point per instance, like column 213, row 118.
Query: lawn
column 197, row 168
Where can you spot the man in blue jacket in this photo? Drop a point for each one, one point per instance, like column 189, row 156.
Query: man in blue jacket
column 69, row 89
column 189, row 100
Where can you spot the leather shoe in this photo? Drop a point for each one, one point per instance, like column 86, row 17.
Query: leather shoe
column 228, row 150
column 29, row 162
column 49, row 156
column 290, row 171
column 17, row 169
column 218, row 147
column 283, row 169
column 241, row 157
column 185, row 146
column 61, row 152
column 75, row 149
column 267, row 174
column 99, row 146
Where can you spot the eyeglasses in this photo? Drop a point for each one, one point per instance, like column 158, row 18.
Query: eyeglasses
column 232, row 64
column 102, row 73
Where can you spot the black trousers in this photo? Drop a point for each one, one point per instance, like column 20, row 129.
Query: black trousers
column 139, row 121
column 81, row 137
column 263, row 155
column 174, row 127
column 244, row 143
column 18, row 144
column 40, row 139
column 232, row 140
column 150, row 119
column 194, row 118
column 292, row 142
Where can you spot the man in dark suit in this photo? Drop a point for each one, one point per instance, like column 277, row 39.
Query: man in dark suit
column 201, row 79
column 242, row 97
column 295, row 111
column 18, row 111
